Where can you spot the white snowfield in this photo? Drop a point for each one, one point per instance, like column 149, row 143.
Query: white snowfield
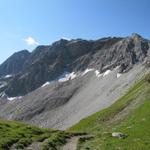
column 87, row 70
column 4, row 95
column 14, row 98
column 106, row 73
column 8, row 76
column 63, row 78
column 68, row 76
column 45, row 84
column 118, row 75
column 97, row 73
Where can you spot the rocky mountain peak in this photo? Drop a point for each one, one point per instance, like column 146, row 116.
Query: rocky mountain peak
column 47, row 63
column 136, row 36
column 60, row 42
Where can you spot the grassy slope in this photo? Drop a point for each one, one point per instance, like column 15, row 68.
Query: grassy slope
column 135, row 124
column 22, row 135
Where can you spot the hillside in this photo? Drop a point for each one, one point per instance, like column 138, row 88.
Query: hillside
column 129, row 115
column 17, row 135
column 62, row 104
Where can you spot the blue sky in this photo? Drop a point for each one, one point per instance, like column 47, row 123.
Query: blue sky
column 26, row 23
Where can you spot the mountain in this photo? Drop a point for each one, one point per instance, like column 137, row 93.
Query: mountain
column 62, row 83
column 47, row 63
column 14, row 64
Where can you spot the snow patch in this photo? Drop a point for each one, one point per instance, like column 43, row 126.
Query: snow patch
column 8, row 76
column 118, row 75
column 98, row 73
column 45, row 84
column 4, row 95
column 67, row 76
column 14, row 98
column 86, row 71
column 106, row 73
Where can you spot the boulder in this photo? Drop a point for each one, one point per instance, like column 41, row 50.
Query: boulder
column 118, row 135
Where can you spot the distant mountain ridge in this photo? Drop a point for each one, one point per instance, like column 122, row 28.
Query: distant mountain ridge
column 46, row 63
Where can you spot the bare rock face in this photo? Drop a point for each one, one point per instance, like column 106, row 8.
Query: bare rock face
column 47, row 63
column 14, row 64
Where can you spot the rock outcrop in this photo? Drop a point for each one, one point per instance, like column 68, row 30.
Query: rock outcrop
column 47, row 63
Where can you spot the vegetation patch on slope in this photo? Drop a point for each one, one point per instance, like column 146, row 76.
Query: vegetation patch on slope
column 130, row 115
column 20, row 135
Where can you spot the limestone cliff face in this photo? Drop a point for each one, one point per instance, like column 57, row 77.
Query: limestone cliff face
column 46, row 63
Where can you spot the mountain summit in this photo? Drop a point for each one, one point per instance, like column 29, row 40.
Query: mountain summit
column 47, row 63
